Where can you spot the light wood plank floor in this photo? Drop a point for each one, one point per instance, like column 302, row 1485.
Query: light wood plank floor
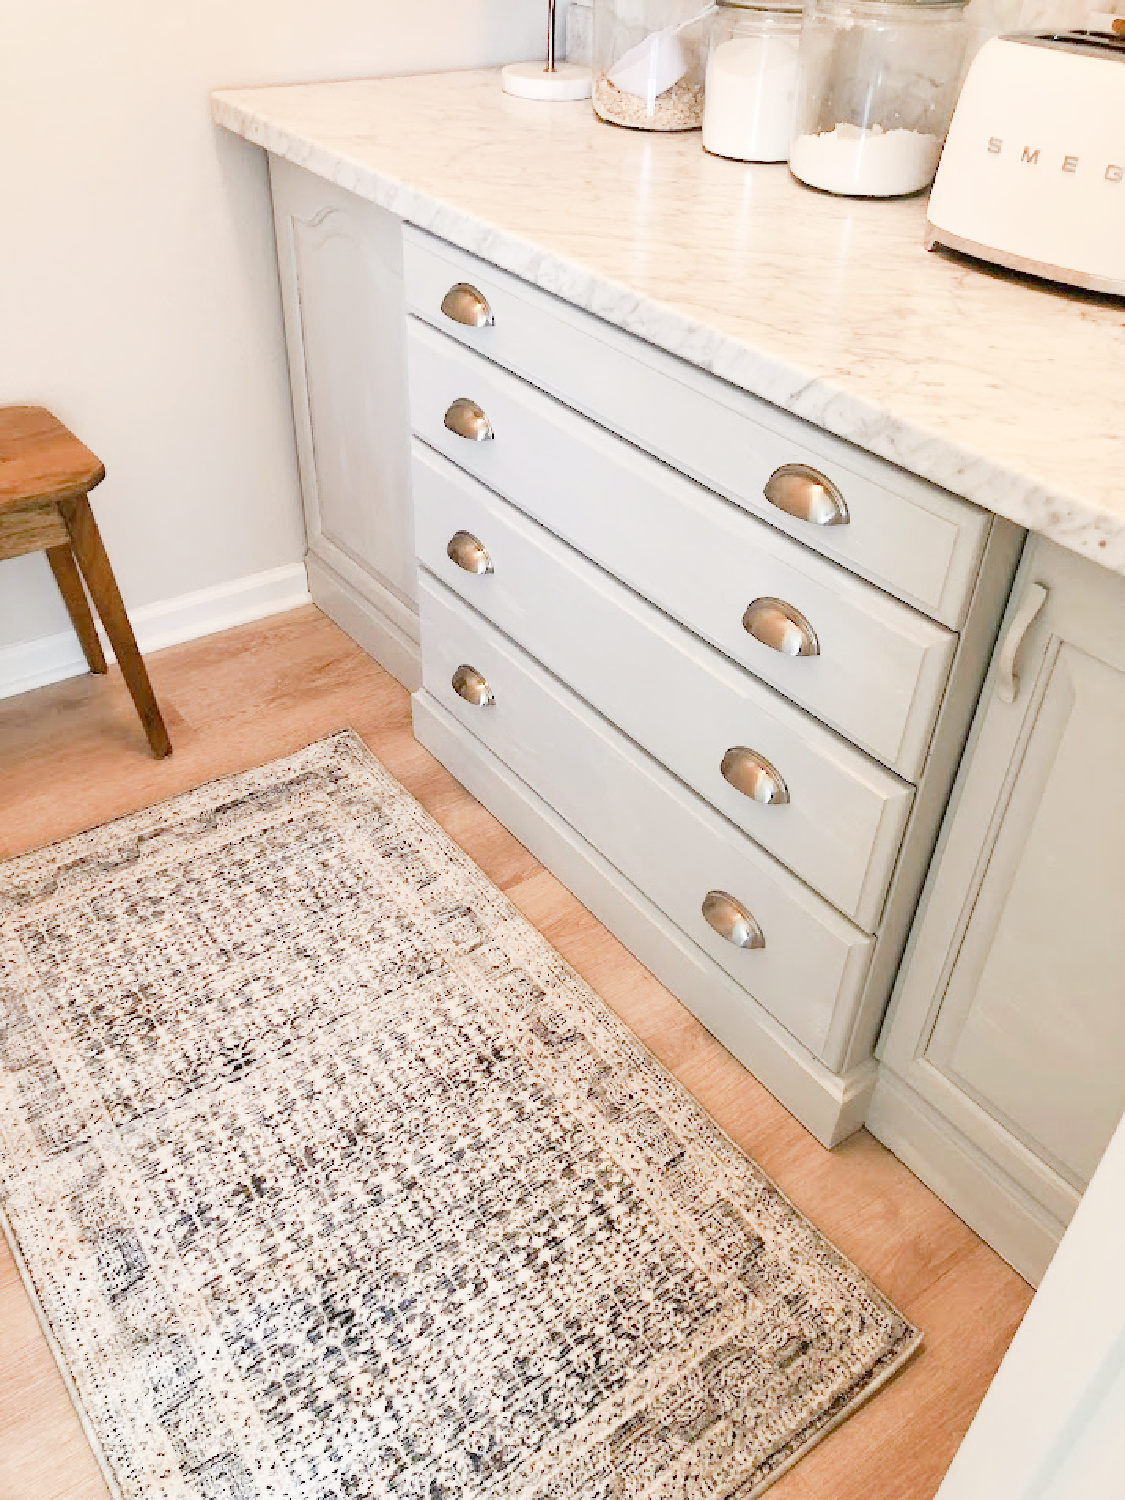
column 72, row 755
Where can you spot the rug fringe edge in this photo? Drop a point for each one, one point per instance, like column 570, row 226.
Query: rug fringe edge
column 93, row 1441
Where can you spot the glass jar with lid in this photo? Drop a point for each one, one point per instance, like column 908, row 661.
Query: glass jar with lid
column 648, row 61
column 751, row 87
column 878, row 81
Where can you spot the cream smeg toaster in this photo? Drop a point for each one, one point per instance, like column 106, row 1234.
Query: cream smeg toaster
column 1033, row 171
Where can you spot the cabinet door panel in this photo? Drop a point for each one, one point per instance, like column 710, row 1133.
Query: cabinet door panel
column 1005, row 1044
column 341, row 270
column 1035, row 1007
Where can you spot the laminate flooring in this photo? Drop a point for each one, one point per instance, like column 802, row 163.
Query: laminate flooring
column 73, row 755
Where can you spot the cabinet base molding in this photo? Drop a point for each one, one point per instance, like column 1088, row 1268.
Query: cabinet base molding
column 974, row 1187
column 380, row 636
column 830, row 1106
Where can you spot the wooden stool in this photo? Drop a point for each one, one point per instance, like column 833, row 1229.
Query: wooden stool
column 46, row 475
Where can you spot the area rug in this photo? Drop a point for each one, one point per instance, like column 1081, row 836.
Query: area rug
column 332, row 1181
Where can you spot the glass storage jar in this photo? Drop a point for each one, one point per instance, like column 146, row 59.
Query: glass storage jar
column 751, row 87
column 878, row 81
column 648, row 62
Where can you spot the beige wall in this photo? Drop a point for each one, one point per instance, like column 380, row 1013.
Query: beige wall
column 138, row 293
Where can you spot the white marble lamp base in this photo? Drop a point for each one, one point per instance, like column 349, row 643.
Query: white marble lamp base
column 530, row 80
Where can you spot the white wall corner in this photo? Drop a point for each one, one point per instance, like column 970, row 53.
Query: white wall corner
column 168, row 622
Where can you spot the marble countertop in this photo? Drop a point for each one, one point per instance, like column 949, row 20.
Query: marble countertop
column 1003, row 390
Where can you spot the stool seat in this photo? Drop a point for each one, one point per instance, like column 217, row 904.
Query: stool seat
column 41, row 460
column 46, row 475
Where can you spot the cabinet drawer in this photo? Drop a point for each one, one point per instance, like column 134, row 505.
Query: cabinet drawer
column 879, row 669
column 842, row 821
column 912, row 538
column 659, row 835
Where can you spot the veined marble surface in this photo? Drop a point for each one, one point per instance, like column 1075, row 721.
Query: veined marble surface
column 1006, row 391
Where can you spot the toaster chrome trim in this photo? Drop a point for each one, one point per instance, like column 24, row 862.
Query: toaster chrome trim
column 1105, row 44
column 1110, row 284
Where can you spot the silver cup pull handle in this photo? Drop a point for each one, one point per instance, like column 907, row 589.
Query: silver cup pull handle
column 467, row 420
column 732, row 921
column 806, row 494
column 469, row 684
column 464, row 304
column 754, row 776
column 468, row 552
column 781, row 627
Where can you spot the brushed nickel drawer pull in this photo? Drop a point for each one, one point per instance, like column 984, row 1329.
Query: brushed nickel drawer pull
column 806, row 494
column 468, row 552
column 467, row 420
column 732, row 921
column 754, row 776
column 470, row 685
column 464, row 304
column 780, row 627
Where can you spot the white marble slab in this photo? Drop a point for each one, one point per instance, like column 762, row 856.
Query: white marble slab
column 1005, row 391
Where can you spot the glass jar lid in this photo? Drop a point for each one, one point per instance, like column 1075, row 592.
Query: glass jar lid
column 778, row 7
column 875, row 6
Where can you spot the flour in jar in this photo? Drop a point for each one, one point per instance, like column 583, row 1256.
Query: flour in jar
column 751, row 90
column 872, row 163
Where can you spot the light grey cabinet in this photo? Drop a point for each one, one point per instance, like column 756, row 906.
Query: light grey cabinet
column 664, row 603
column 340, row 266
column 1003, row 1059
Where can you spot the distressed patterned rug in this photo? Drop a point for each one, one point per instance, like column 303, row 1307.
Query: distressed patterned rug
column 333, row 1181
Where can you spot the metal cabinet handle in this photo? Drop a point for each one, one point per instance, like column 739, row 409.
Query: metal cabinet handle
column 732, row 921
column 754, row 776
column 780, row 627
column 467, row 420
column 468, row 552
column 464, row 304
column 470, row 685
column 806, row 494
column 1007, row 683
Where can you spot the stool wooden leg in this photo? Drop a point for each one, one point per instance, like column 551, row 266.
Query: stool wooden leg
column 86, row 540
column 69, row 581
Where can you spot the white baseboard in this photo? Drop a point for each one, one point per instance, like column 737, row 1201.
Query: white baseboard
column 50, row 658
column 830, row 1106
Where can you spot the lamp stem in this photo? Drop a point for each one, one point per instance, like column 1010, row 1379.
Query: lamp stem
column 550, row 36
